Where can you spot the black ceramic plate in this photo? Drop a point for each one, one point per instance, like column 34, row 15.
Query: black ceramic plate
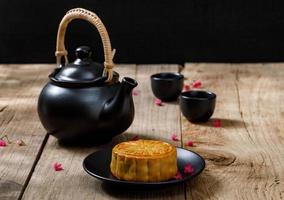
column 98, row 165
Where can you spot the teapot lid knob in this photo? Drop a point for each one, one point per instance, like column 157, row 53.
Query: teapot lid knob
column 83, row 52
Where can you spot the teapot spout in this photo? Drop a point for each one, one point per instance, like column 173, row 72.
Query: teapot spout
column 122, row 100
column 127, row 85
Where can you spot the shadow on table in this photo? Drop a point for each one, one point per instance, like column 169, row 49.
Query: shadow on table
column 171, row 102
column 143, row 192
column 92, row 144
column 225, row 123
column 79, row 144
column 198, row 188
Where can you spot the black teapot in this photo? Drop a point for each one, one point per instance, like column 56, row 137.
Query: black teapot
column 84, row 100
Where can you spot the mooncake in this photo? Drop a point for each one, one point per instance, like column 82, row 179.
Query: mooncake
column 144, row 160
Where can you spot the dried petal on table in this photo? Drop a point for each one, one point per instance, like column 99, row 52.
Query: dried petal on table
column 7, row 139
column 135, row 92
column 57, row 166
column 3, row 143
column 188, row 169
column 134, row 138
column 196, row 84
column 217, row 123
column 178, row 176
column 189, row 143
column 174, row 137
column 158, row 102
column 186, row 87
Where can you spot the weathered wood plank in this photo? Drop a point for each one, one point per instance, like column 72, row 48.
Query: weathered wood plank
column 74, row 183
column 245, row 157
column 19, row 88
column 152, row 121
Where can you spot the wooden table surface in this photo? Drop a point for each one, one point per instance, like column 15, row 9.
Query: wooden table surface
column 244, row 157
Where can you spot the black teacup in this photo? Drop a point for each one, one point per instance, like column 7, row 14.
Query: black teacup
column 167, row 86
column 197, row 105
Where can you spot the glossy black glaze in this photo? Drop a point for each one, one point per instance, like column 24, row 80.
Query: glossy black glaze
column 84, row 107
column 197, row 105
column 98, row 165
column 83, row 71
column 167, row 86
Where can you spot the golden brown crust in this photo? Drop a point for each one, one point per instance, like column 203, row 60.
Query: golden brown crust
column 144, row 160
column 144, row 149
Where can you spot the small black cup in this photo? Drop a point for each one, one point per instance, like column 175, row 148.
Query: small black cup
column 167, row 86
column 197, row 105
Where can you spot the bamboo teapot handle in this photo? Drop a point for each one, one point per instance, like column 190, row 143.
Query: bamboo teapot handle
column 80, row 13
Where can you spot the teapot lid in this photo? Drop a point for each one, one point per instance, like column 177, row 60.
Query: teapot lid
column 82, row 71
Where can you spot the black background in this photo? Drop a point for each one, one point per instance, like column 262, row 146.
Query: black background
column 148, row 31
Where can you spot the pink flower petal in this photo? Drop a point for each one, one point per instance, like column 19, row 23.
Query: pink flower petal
column 217, row 123
column 178, row 176
column 174, row 137
column 158, row 102
column 135, row 92
column 57, row 167
column 196, row 84
column 136, row 137
column 186, row 87
column 189, row 143
column 188, row 169
column 3, row 143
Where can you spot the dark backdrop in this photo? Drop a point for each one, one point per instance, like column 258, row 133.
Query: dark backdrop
column 148, row 31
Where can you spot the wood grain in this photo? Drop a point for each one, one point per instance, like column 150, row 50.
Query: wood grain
column 74, row 183
column 152, row 121
column 245, row 156
column 19, row 88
